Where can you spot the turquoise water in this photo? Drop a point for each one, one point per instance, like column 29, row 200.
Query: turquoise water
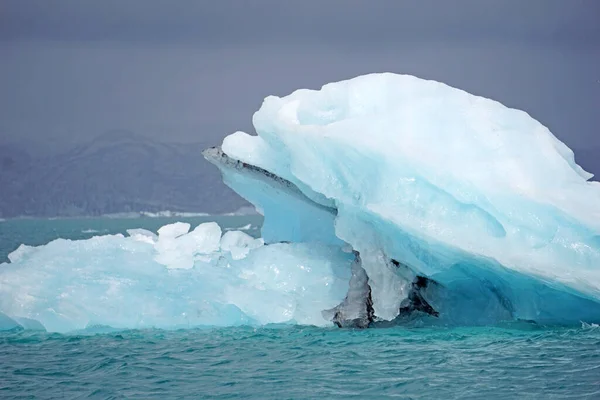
column 278, row 362
column 304, row 362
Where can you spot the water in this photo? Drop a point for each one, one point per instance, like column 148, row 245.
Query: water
column 276, row 362
column 304, row 362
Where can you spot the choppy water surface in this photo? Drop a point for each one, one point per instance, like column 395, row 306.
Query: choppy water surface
column 304, row 362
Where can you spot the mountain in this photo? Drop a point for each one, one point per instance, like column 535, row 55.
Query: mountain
column 117, row 172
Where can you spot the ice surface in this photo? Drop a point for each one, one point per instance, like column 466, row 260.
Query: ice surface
column 290, row 216
column 7, row 323
column 143, row 235
column 174, row 230
column 239, row 244
column 30, row 324
column 177, row 280
column 178, row 249
column 479, row 197
column 21, row 253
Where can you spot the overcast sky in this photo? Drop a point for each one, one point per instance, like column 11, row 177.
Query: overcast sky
column 198, row 70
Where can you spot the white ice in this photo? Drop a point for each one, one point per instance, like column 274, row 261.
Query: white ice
column 457, row 187
column 239, row 244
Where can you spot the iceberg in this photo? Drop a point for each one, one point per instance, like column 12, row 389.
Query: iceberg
column 387, row 200
column 176, row 279
column 479, row 202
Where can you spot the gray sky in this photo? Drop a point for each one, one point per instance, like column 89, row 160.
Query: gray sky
column 198, row 70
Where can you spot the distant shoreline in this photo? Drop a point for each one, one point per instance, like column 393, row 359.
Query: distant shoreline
column 245, row 211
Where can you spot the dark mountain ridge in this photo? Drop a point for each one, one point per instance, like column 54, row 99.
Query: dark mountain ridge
column 115, row 173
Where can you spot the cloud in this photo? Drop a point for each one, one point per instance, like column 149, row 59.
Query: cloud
column 196, row 70
column 348, row 22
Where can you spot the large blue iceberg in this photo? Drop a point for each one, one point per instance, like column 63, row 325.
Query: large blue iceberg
column 387, row 199
column 426, row 181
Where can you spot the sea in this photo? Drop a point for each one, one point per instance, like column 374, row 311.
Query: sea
column 286, row 361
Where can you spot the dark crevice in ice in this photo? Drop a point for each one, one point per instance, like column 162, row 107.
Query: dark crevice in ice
column 356, row 311
column 415, row 300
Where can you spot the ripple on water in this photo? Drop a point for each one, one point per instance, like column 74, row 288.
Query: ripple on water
column 304, row 362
